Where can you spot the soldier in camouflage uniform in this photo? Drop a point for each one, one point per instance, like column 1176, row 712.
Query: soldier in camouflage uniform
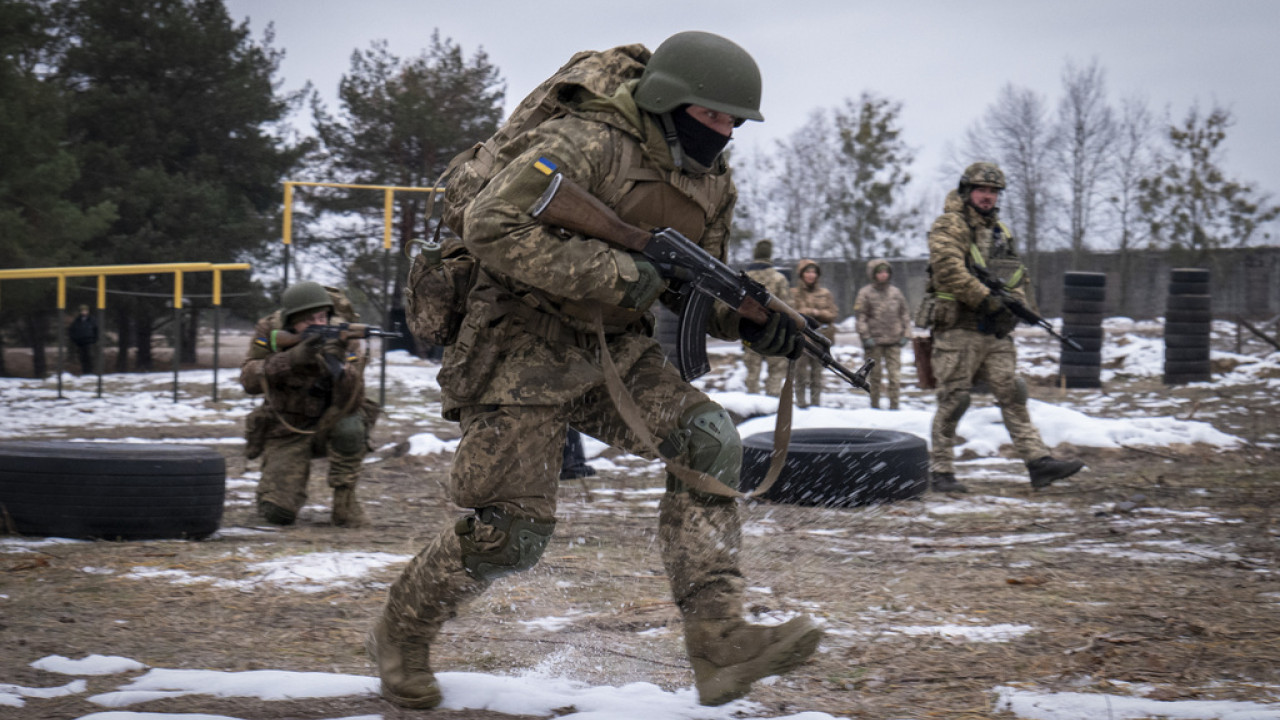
column 884, row 323
column 971, row 328
column 314, row 406
column 526, row 365
column 762, row 271
column 814, row 301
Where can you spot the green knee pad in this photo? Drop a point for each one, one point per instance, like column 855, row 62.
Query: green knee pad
column 348, row 436
column 707, row 436
column 523, row 542
column 962, row 406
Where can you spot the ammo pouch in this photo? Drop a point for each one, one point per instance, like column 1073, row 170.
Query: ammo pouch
column 945, row 313
column 924, row 313
column 435, row 296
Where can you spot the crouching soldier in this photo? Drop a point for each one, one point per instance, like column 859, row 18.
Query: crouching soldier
column 314, row 405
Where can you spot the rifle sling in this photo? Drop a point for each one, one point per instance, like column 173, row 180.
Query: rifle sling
column 695, row 479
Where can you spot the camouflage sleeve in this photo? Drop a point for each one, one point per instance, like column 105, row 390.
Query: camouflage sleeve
column 948, row 250
column 505, row 238
column 862, row 313
column 824, row 307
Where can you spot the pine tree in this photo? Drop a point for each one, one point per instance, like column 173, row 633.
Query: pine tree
column 1191, row 204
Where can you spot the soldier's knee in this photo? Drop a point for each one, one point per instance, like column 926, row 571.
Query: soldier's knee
column 496, row 543
column 1014, row 393
column 960, row 405
column 348, row 436
column 706, row 436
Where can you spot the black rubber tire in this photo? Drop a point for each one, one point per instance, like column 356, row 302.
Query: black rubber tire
column 1080, row 371
column 110, row 491
column 1091, row 319
column 1189, row 288
column 1186, row 341
column 1181, row 328
column 1079, row 330
column 1188, row 302
column 1076, row 306
column 1084, row 279
column 1088, row 357
column 1201, row 275
column 1073, row 292
column 1082, row 383
column 1183, row 354
column 1188, row 316
column 1186, row 367
column 840, row 467
column 1183, row 379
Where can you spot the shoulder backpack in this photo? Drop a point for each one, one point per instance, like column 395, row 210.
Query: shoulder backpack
column 442, row 274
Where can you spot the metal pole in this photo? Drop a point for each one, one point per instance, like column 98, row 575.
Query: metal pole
column 386, row 323
column 102, row 330
column 62, row 334
column 217, row 327
column 177, row 329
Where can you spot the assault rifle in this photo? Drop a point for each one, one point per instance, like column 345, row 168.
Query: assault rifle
column 566, row 205
column 342, row 331
column 1024, row 313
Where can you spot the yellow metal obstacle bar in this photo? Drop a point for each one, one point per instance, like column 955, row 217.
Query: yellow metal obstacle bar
column 102, row 271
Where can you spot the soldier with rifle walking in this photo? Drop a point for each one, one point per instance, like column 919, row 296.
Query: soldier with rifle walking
column 971, row 322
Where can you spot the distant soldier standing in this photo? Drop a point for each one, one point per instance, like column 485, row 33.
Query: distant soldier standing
column 762, row 271
column 816, row 302
column 314, row 406
column 84, row 335
column 971, row 328
column 883, row 322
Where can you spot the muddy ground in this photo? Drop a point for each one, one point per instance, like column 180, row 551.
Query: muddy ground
column 1157, row 566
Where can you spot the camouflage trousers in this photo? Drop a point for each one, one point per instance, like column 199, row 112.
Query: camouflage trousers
column 509, row 459
column 773, row 381
column 808, row 381
column 961, row 358
column 888, row 365
column 286, row 462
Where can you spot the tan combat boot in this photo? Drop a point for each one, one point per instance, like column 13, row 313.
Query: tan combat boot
column 405, row 669
column 729, row 655
column 346, row 509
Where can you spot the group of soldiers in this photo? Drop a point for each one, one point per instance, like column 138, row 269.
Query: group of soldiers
column 558, row 334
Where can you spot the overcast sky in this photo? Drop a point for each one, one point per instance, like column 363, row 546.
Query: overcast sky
column 944, row 61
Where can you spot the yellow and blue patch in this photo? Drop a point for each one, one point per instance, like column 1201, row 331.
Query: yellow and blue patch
column 544, row 166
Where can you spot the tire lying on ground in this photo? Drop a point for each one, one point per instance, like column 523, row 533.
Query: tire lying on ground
column 110, row 491
column 840, row 467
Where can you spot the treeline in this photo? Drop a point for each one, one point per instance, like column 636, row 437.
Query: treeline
column 1085, row 174
column 148, row 131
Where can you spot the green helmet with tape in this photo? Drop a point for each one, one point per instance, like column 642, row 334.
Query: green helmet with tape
column 303, row 296
column 700, row 68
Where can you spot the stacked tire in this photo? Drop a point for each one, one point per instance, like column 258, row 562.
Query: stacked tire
column 1187, row 320
column 1083, row 297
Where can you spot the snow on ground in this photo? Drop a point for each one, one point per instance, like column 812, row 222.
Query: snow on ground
column 33, row 409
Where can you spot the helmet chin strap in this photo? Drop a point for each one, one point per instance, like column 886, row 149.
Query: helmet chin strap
column 673, row 140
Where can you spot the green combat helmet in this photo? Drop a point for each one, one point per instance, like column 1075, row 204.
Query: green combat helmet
column 699, row 68
column 982, row 173
column 302, row 297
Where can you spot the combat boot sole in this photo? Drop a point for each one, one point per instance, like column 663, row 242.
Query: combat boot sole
column 796, row 640
column 425, row 697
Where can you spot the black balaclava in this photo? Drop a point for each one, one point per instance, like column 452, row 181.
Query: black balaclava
column 698, row 141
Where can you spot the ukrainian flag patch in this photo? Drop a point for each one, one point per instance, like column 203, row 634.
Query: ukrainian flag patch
column 544, row 166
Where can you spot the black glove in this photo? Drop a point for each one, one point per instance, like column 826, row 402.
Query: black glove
column 999, row 323
column 305, row 356
column 639, row 295
column 990, row 305
column 779, row 336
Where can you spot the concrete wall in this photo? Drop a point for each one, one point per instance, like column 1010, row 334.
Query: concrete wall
column 1245, row 281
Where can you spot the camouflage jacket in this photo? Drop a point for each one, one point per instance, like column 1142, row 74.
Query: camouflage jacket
column 301, row 398
column 528, row 338
column 881, row 310
column 961, row 236
column 774, row 281
column 814, row 301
